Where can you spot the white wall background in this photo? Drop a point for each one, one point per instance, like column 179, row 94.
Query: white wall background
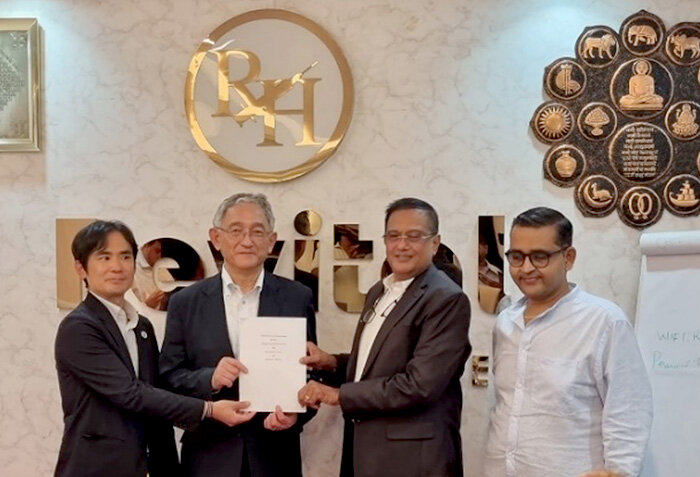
column 444, row 93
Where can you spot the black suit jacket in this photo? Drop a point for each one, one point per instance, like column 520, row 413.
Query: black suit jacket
column 196, row 338
column 403, row 415
column 111, row 416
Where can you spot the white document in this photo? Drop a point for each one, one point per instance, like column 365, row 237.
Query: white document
column 270, row 347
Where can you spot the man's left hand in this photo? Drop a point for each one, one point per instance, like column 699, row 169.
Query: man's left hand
column 279, row 421
column 313, row 394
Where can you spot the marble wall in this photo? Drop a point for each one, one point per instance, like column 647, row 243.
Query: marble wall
column 444, row 93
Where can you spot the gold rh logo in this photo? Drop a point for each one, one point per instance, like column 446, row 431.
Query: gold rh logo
column 259, row 65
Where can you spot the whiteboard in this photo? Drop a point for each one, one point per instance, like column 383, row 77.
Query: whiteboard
column 668, row 330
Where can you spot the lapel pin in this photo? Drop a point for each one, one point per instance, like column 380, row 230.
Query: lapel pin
column 144, row 335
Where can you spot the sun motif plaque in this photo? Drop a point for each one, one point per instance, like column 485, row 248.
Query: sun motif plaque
column 624, row 120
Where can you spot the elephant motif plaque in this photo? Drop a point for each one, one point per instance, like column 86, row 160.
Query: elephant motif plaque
column 623, row 122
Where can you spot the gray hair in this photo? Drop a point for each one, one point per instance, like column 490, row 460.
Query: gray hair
column 245, row 198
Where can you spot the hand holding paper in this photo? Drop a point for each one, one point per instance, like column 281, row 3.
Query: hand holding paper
column 227, row 371
column 313, row 394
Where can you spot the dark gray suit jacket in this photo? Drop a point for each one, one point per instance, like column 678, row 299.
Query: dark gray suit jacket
column 403, row 416
column 196, row 338
column 112, row 417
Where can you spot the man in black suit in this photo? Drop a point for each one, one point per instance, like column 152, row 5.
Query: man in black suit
column 201, row 344
column 116, row 421
column 401, row 396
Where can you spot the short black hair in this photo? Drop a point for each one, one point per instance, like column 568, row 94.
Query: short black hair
column 93, row 237
column 544, row 217
column 408, row 203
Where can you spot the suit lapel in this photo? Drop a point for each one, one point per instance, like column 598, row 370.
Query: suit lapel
column 374, row 293
column 408, row 300
column 143, row 344
column 215, row 312
column 270, row 301
column 113, row 333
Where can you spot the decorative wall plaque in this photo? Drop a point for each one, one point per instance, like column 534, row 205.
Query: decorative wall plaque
column 625, row 120
column 19, row 84
column 269, row 95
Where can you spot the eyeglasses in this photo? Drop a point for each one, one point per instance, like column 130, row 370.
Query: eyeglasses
column 411, row 237
column 538, row 258
column 237, row 233
column 368, row 317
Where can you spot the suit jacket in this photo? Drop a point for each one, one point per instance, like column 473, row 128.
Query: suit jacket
column 196, row 338
column 403, row 416
column 116, row 424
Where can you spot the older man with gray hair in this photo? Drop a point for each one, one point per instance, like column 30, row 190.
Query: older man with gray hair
column 201, row 345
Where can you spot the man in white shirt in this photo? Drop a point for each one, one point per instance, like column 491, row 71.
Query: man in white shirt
column 572, row 396
column 401, row 396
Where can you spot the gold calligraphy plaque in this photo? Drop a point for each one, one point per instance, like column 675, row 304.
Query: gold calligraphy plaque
column 254, row 92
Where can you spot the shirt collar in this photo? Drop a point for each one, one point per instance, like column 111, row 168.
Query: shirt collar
column 231, row 286
column 518, row 309
column 391, row 284
column 126, row 317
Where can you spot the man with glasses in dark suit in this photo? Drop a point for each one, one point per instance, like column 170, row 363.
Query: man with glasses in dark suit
column 401, row 396
column 199, row 356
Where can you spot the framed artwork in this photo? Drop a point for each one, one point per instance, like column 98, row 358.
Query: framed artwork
column 19, row 84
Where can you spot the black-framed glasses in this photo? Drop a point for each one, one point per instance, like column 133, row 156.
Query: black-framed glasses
column 538, row 258
column 368, row 317
column 414, row 236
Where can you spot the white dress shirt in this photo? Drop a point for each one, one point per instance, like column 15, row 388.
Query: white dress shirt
column 126, row 318
column 393, row 291
column 572, row 392
column 239, row 306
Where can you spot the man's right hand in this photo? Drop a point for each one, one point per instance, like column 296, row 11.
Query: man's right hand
column 226, row 373
column 316, row 358
column 231, row 413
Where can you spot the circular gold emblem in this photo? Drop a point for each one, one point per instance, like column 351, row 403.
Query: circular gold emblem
column 641, row 88
column 682, row 195
column 642, row 33
column 565, row 79
column 564, row 165
column 552, row 122
column 596, row 196
column 683, row 44
column 251, row 103
column 683, row 121
column 640, row 207
column 597, row 121
column 598, row 46
column 640, row 152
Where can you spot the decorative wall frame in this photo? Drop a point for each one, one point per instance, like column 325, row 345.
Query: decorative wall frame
column 19, row 84
column 624, row 120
